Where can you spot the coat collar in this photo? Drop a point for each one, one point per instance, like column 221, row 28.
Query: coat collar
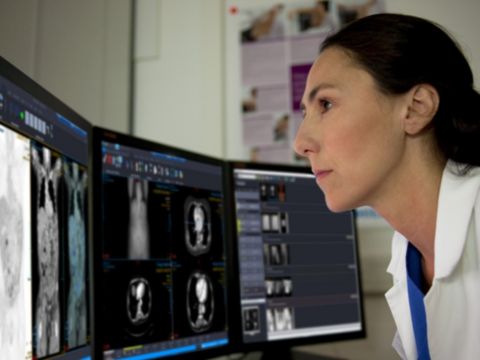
column 456, row 202
column 455, row 208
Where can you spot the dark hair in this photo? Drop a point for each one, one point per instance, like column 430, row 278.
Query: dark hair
column 401, row 51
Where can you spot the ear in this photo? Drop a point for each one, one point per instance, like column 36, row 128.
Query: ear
column 423, row 101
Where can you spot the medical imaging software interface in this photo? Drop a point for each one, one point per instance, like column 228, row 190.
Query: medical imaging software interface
column 163, row 254
column 298, row 269
column 43, row 236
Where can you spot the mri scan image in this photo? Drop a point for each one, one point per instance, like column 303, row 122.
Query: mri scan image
column 139, row 305
column 76, row 183
column 270, row 320
column 198, row 228
column 280, row 319
column 276, row 254
column 136, row 305
column 15, row 270
column 200, row 301
column 47, row 170
column 138, row 233
column 283, row 318
column 251, row 320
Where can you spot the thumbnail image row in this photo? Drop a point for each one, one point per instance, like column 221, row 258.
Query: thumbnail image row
column 277, row 319
column 141, row 303
column 275, row 223
column 272, row 192
column 278, row 287
column 276, row 254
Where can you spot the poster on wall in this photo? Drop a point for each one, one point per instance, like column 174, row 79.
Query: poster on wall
column 270, row 48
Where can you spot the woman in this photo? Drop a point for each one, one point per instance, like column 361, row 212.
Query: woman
column 391, row 121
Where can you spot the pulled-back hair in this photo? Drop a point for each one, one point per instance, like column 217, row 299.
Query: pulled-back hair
column 401, row 51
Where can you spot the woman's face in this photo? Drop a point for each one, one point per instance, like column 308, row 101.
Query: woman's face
column 351, row 133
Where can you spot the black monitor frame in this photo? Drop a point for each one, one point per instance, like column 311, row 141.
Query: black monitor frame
column 275, row 348
column 23, row 81
column 100, row 135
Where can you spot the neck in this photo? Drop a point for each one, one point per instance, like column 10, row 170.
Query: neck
column 411, row 208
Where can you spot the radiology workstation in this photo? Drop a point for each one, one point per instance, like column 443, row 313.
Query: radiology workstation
column 116, row 247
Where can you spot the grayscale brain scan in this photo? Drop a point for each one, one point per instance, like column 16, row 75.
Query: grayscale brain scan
column 200, row 301
column 139, row 304
column 76, row 182
column 198, row 227
column 138, row 234
column 15, row 290
column 47, row 170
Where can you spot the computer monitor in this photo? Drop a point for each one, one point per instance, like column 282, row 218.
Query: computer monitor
column 160, row 250
column 44, row 281
column 297, row 267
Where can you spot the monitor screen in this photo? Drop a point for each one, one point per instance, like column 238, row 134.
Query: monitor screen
column 297, row 261
column 44, row 283
column 161, row 249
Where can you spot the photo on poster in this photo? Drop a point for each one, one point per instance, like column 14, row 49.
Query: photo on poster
column 48, row 227
column 15, row 246
column 310, row 17
column 261, row 23
column 270, row 48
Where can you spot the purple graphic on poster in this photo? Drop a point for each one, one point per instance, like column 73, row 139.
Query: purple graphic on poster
column 298, row 75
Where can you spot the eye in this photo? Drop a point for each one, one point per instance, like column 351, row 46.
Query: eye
column 325, row 105
column 304, row 112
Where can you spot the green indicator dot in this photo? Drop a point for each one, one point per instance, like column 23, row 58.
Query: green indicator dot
column 22, row 115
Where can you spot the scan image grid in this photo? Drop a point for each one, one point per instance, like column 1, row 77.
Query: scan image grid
column 181, row 218
column 15, row 247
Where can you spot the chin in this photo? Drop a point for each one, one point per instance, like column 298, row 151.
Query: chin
column 338, row 205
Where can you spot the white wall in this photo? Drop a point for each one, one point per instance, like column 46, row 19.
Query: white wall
column 459, row 18
column 178, row 89
column 78, row 50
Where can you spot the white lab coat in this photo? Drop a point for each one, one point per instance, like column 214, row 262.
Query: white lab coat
column 452, row 304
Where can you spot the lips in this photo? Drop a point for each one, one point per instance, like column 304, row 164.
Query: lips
column 320, row 174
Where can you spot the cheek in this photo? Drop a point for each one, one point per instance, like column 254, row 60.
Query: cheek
column 361, row 156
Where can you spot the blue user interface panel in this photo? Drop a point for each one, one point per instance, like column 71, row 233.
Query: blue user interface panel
column 163, row 253
column 44, row 282
column 297, row 260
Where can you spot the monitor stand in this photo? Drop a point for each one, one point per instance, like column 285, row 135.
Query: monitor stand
column 287, row 353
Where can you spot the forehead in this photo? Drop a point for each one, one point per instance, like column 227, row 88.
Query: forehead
column 336, row 69
column 332, row 66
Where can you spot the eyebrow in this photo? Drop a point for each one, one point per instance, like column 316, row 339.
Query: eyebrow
column 314, row 91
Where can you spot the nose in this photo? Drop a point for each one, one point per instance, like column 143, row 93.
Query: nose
column 304, row 144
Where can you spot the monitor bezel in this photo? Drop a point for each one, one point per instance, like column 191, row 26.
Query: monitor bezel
column 235, row 308
column 102, row 134
column 29, row 85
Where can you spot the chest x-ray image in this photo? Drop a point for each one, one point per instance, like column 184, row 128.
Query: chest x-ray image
column 198, row 227
column 76, row 183
column 138, row 234
column 200, row 301
column 139, row 305
column 15, row 246
column 280, row 319
column 47, row 170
